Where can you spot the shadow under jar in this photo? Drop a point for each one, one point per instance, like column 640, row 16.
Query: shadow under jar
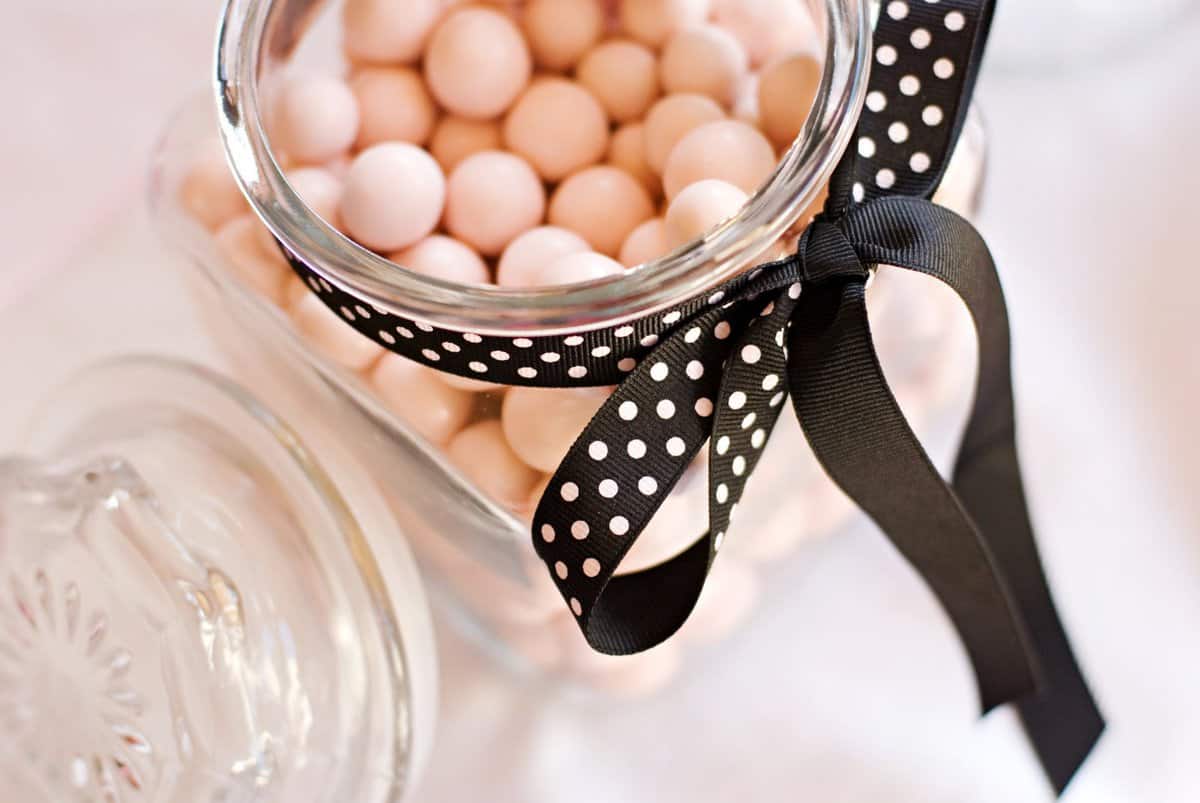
column 464, row 462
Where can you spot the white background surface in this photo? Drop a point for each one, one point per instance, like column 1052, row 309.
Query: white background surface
column 848, row 686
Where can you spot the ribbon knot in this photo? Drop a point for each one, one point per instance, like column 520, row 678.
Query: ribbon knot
column 826, row 254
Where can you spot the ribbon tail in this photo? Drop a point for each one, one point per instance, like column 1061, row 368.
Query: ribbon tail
column 1062, row 720
column 859, row 434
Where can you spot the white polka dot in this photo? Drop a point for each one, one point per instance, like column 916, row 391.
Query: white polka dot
column 739, row 466
column 405, row 333
column 749, row 420
column 560, row 569
column 717, row 297
column 453, row 348
column 704, row 407
column 666, row 409
column 624, row 331
column 387, row 337
column 722, row 330
column 777, row 399
column 672, row 318
column 551, row 357
column 573, row 340
column 919, row 162
column 943, row 68
column 770, row 382
column 693, row 334
column 910, row 85
column 548, row 533
column 932, row 115
column 478, row 367
column 628, row 411
column 794, row 291
column 580, row 530
column 619, row 525
column 608, row 488
column 627, row 364
column 650, row 340
column 501, row 356
column 885, row 178
column 751, row 354
column 955, row 21
column 569, row 492
column 866, row 147
column 695, row 369
column 523, row 343
column 897, row 9
column 648, row 486
column 472, row 338
column 601, row 351
column 737, row 400
column 636, row 449
column 576, row 607
column 876, row 101
column 660, row 372
column 719, row 542
column 886, row 55
column 722, row 493
column 921, row 38
column 431, row 355
column 758, row 438
column 598, row 450
column 347, row 314
column 676, row 447
column 527, row 373
column 898, row 132
column 362, row 311
column 859, row 192
column 723, row 444
column 577, row 372
column 591, row 567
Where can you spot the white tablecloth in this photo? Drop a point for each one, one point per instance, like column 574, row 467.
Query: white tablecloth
column 848, row 686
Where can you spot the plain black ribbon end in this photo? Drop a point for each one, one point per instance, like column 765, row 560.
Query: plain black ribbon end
column 1064, row 728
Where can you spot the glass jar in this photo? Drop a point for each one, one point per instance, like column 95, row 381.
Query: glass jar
column 470, row 524
column 193, row 605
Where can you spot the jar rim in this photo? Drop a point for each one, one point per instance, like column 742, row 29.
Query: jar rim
column 243, row 49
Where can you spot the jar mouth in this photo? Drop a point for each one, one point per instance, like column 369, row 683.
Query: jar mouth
column 256, row 33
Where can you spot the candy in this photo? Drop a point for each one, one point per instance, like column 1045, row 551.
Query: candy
column 477, row 62
column 330, row 336
column 558, row 127
column 653, row 21
column 394, row 105
column 705, row 60
column 261, row 270
column 670, row 120
column 387, row 30
column 540, row 424
column 729, row 150
column 314, row 119
column 321, row 192
column 485, row 457
column 444, row 258
column 208, row 191
column 603, row 205
column 645, row 243
column 393, row 196
column 525, row 257
column 434, row 410
column 627, row 150
column 456, row 138
column 491, row 198
column 560, row 32
column 700, row 207
column 623, row 76
column 786, row 91
column 766, row 28
column 584, row 266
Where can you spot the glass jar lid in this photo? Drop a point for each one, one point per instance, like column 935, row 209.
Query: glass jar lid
column 193, row 605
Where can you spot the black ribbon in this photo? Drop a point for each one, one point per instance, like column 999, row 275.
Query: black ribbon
column 718, row 370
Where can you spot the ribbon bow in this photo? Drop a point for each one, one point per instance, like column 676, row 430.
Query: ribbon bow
column 719, row 369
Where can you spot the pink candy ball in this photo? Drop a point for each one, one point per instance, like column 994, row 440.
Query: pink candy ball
column 456, row 138
column 393, row 196
column 394, row 106
column 209, row 191
column 484, row 456
column 540, row 424
column 646, row 243
column 525, row 257
column 434, row 410
column 705, row 60
column 653, row 21
column 627, row 150
column 314, row 119
column 558, row 127
column 444, row 258
column 561, row 31
column 387, row 30
column 477, row 62
column 730, row 150
column 700, row 207
column 786, row 91
column 603, row 205
column 583, row 266
column 766, row 28
column 491, row 198
column 332, row 336
column 623, row 75
column 260, row 268
column 670, row 120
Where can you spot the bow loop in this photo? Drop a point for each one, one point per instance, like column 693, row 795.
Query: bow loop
column 826, row 254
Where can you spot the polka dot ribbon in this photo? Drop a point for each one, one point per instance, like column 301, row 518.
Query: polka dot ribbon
column 717, row 370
